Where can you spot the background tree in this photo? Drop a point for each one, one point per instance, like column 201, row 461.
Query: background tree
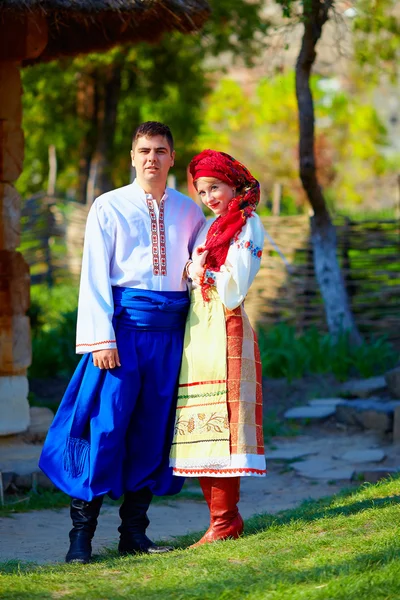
column 323, row 234
column 314, row 15
column 259, row 124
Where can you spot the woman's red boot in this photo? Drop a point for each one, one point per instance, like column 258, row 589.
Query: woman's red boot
column 222, row 498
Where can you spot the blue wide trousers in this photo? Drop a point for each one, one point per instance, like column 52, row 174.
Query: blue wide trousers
column 114, row 428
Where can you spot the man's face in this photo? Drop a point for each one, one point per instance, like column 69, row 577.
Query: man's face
column 152, row 158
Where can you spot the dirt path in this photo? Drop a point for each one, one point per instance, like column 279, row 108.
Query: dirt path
column 42, row 536
column 325, row 460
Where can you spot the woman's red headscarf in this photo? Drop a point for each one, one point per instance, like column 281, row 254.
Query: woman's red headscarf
column 219, row 165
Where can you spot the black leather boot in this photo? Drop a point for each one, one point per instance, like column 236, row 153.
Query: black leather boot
column 133, row 513
column 84, row 519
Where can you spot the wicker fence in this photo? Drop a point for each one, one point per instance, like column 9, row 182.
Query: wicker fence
column 43, row 231
column 369, row 253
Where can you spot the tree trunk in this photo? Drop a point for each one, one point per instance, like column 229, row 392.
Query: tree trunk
column 108, row 88
column 323, row 234
column 87, row 113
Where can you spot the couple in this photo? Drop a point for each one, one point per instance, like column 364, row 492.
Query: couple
column 120, row 429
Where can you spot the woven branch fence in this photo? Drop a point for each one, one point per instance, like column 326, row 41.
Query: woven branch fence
column 368, row 251
column 369, row 254
column 43, row 231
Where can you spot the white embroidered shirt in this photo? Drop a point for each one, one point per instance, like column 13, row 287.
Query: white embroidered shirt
column 130, row 241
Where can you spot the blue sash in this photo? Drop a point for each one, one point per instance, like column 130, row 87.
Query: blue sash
column 151, row 311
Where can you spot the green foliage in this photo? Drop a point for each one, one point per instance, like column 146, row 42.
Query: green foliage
column 53, row 351
column 53, row 321
column 239, row 28
column 376, row 31
column 50, row 304
column 274, row 426
column 287, row 354
column 48, row 118
column 166, row 81
column 260, row 128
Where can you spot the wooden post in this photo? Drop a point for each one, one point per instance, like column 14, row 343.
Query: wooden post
column 20, row 38
column 51, row 186
column 276, row 199
column 15, row 345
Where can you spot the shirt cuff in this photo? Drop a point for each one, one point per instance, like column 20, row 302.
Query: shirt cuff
column 84, row 348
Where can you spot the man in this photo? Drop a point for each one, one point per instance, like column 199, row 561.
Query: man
column 113, row 430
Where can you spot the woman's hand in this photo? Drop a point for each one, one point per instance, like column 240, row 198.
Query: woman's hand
column 197, row 267
column 106, row 359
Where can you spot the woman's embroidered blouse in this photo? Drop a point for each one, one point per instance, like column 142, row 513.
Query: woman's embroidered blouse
column 242, row 262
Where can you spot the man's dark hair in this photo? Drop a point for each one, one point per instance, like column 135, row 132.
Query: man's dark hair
column 151, row 129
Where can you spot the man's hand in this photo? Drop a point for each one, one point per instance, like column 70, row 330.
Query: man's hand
column 106, row 359
column 196, row 268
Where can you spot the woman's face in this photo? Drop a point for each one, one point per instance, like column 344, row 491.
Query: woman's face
column 215, row 194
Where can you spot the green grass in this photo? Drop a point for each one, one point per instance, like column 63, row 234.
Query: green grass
column 274, row 426
column 33, row 501
column 342, row 548
column 53, row 499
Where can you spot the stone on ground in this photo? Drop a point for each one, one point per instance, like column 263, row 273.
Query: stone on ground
column 19, row 465
column 14, row 407
column 317, row 413
column 287, row 452
column 363, row 388
column 323, row 468
column 392, row 379
column 326, row 401
column 363, row 456
column 41, row 419
column 368, row 414
column 396, row 425
column 20, row 458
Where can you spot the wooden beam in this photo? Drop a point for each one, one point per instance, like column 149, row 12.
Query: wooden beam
column 22, row 36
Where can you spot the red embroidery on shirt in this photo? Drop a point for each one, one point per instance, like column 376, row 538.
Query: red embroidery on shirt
column 159, row 263
column 162, row 239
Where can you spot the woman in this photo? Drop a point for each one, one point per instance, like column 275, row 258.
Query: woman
column 218, row 429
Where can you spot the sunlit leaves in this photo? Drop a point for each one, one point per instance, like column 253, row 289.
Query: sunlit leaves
column 261, row 129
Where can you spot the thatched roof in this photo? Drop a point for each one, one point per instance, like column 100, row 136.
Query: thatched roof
column 81, row 26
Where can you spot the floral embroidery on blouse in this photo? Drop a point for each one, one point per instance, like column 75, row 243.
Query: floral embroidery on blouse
column 198, row 422
column 256, row 251
column 209, row 277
